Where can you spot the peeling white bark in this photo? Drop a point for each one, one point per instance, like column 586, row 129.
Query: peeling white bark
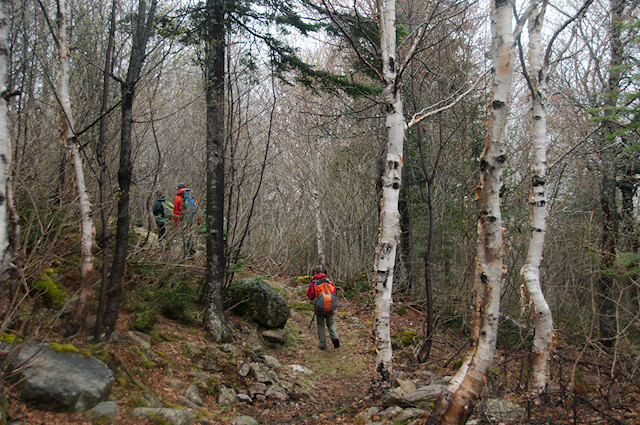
column 67, row 137
column 542, row 319
column 389, row 231
column 5, row 143
column 459, row 398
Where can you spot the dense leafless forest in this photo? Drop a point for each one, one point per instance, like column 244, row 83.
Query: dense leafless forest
column 306, row 98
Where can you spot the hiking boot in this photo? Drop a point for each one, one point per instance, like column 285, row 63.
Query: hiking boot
column 322, row 347
column 336, row 343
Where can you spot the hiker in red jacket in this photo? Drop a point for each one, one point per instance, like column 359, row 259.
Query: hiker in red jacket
column 321, row 286
column 177, row 203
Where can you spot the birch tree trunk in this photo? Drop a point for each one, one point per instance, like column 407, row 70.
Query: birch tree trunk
column 67, row 138
column 542, row 319
column 385, row 256
column 322, row 258
column 215, row 320
column 5, row 148
column 457, row 401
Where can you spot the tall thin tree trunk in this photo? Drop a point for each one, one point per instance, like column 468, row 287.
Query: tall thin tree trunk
column 102, row 179
column 423, row 349
column 611, row 217
column 141, row 32
column 215, row 319
column 385, row 256
column 322, row 258
column 67, row 137
column 5, row 149
column 457, row 401
column 542, row 319
column 403, row 268
column 629, row 226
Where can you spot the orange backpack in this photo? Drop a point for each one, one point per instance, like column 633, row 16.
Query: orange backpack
column 326, row 300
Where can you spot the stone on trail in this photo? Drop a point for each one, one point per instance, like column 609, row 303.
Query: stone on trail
column 244, row 369
column 272, row 362
column 301, row 369
column 227, row 396
column 193, row 395
column 172, row 416
column 424, row 396
column 140, row 339
column 421, row 397
column 391, row 412
column 257, row 388
column 276, row 392
column 60, row 380
column 262, row 373
column 498, row 410
column 277, row 336
column 105, row 412
column 407, row 414
column 406, row 386
column 245, row 398
column 244, row 420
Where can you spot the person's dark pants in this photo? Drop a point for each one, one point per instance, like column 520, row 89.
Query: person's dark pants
column 321, row 318
column 162, row 229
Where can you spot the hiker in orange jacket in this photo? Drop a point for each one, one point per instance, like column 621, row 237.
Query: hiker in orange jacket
column 320, row 278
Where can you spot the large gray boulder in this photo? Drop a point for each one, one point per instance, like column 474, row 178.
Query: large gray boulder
column 254, row 298
column 60, row 380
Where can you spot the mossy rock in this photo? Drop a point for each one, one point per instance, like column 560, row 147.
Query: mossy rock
column 406, row 337
column 258, row 301
column 144, row 321
column 53, row 294
column 63, row 348
column 402, row 310
column 9, row 338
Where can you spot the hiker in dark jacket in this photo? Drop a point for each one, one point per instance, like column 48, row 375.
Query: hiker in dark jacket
column 160, row 214
column 319, row 276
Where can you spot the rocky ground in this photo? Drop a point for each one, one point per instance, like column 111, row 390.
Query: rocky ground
column 255, row 379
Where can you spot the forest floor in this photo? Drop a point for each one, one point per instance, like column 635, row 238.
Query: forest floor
column 337, row 392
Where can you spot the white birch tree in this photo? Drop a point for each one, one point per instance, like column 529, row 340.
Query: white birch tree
column 5, row 143
column 458, row 399
column 537, row 76
column 391, row 180
column 389, row 231
column 532, row 289
column 68, row 138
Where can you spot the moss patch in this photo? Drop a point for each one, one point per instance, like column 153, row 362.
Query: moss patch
column 301, row 306
column 52, row 293
column 304, row 280
column 406, row 337
column 9, row 338
column 63, row 348
column 144, row 320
